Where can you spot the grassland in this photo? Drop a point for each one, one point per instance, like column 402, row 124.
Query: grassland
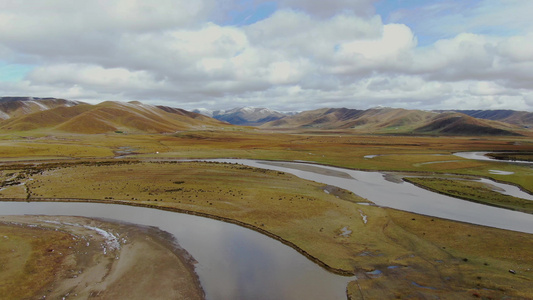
column 301, row 214
column 393, row 153
column 27, row 265
column 418, row 257
column 526, row 156
column 473, row 191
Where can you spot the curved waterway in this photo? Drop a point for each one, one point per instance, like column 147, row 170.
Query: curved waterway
column 233, row 262
column 483, row 156
column 403, row 195
column 238, row 263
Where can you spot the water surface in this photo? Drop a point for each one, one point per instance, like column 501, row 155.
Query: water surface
column 483, row 156
column 406, row 196
column 233, row 262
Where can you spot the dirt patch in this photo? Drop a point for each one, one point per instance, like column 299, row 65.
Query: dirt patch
column 110, row 260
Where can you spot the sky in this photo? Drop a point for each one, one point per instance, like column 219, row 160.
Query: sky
column 288, row 55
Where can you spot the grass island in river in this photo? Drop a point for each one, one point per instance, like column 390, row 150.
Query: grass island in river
column 393, row 254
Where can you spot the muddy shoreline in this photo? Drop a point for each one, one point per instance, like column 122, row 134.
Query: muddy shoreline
column 109, row 259
column 337, row 271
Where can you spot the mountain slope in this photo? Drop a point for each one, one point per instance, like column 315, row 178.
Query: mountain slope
column 394, row 121
column 248, row 116
column 375, row 119
column 108, row 117
column 461, row 124
column 11, row 107
column 520, row 118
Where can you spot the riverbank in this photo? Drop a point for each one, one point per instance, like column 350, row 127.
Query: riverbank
column 91, row 258
column 474, row 191
column 339, row 231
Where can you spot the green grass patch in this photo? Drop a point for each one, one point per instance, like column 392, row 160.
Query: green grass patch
column 473, row 191
column 512, row 156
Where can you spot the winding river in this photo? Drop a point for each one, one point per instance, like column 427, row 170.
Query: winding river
column 238, row 263
column 233, row 262
column 405, row 196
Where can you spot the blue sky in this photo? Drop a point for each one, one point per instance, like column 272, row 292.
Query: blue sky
column 250, row 12
column 10, row 72
column 284, row 54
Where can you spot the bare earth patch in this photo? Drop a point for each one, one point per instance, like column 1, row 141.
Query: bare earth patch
column 94, row 259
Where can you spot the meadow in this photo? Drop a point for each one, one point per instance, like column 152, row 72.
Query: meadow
column 417, row 256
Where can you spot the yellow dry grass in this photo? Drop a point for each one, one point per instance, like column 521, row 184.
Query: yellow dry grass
column 30, row 259
column 427, row 254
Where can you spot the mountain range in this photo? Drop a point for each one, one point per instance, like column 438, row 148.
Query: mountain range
column 248, row 116
column 51, row 114
column 25, row 114
column 398, row 121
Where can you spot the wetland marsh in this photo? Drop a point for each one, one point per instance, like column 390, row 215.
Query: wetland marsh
column 324, row 215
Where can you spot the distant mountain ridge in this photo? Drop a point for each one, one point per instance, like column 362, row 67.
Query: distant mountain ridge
column 393, row 121
column 53, row 114
column 521, row 118
column 79, row 117
column 247, row 116
column 18, row 106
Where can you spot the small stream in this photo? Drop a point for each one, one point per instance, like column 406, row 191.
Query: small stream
column 483, row 156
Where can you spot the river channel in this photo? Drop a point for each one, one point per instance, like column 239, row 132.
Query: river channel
column 405, row 196
column 483, row 156
column 233, row 262
column 238, row 263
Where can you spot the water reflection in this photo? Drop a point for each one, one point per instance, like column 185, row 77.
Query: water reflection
column 405, row 196
column 483, row 156
column 233, row 262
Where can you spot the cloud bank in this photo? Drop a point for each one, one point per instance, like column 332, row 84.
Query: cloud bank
column 303, row 55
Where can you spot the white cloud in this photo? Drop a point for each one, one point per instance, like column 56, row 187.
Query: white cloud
column 384, row 52
column 305, row 55
column 92, row 76
column 331, row 7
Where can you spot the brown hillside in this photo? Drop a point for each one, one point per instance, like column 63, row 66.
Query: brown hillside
column 392, row 121
column 520, row 118
column 109, row 117
column 12, row 107
column 44, row 119
column 376, row 119
column 461, row 124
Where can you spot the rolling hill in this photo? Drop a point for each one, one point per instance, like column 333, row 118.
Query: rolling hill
column 520, row 118
column 461, row 124
column 12, row 107
column 110, row 117
column 52, row 114
column 393, row 121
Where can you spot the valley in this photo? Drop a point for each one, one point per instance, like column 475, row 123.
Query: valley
column 135, row 155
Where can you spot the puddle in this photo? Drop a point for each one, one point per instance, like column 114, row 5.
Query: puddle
column 345, row 232
column 421, row 286
column 365, row 218
column 374, row 274
column 498, row 172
